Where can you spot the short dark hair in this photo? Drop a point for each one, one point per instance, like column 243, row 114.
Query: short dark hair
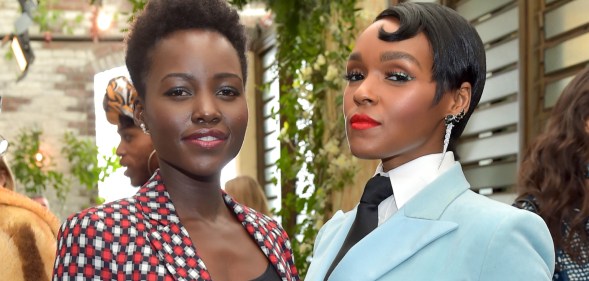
column 163, row 17
column 458, row 51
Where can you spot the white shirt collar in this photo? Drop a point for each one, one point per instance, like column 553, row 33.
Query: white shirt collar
column 410, row 178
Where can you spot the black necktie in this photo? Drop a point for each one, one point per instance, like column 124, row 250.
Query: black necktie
column 377, row 189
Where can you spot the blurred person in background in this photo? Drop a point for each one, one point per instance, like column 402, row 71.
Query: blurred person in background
column 135, row 148
column 6, row 176
column 247, row 191
column 28, row 234
column 554, row 178
column 41, row 200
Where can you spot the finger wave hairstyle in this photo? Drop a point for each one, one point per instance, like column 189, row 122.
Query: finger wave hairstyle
column 554, row 168
column 458, row 51
column 160, row 18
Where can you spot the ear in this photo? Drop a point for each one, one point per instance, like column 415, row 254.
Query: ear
column 461, row 99
column 138, row 109
column 3, row 179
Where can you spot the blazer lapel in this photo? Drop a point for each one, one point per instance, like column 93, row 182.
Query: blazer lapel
column 167, row 236
column 331, row 237
column 175, row 249
column 265, row 233
column 413, row 227
column 388, row 246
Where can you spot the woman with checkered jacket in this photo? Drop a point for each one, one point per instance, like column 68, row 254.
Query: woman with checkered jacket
column 187, row 61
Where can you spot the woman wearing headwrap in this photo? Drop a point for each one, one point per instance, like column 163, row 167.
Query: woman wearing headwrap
column 135, row 149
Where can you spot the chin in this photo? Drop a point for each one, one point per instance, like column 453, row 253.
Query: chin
column 364, row 153
column 136, row 184
column 369, row 152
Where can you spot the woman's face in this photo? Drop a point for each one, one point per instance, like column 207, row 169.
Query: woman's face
column 195, row 106
column 388, row 102
column 134, row 150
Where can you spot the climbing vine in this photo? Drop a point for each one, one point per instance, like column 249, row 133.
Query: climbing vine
column 313, row 41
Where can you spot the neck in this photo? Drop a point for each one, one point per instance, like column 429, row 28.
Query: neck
column 194, row 197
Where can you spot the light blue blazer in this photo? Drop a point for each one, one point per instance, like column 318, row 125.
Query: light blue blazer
column 445, row 232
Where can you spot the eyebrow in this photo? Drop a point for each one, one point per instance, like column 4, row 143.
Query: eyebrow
column 184, row 76
column 217, row 76
column 223, row 75
column 355, row 56
column 394, row 55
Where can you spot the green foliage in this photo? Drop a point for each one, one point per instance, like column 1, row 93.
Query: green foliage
column 138, row 5
column 313, row 41
column 83, row 159
column 53, row 20
column 33, row 175
column 81, row 154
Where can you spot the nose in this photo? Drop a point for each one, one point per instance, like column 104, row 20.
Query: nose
column 206, row 109
column 364, row 93
column 120, row 149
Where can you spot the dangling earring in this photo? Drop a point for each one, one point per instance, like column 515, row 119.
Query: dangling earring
column 144, row 129
column 451, row 121
column 149, row 162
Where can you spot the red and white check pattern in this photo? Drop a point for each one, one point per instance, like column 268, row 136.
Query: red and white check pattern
column 141, row 238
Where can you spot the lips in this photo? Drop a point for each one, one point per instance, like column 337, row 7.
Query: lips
column 207, row 138
column 362, row 122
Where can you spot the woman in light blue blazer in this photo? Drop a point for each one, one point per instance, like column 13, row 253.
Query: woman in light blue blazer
column 415, row 76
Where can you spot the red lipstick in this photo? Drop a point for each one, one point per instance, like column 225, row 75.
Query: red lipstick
column 207, row 138
column 362, row 122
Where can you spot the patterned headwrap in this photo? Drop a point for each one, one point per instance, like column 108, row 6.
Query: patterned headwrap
column 119, row 99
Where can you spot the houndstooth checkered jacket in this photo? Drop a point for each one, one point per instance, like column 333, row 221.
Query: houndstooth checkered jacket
column 141, row 238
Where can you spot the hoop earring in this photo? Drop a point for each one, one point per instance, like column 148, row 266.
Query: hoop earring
column 450, row 121
column 149, row 170
column 144, row 128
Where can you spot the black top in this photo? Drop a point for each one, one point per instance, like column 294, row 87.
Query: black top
column 269, row 275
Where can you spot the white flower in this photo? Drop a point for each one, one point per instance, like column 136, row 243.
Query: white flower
column 341, row 162
column 306, row 73
column 331, row 147
column 332, row 73
column 321, row 60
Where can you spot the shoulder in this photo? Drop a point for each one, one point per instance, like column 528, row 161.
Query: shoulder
column 117, row 214
column 19, row 209
column 481, row 208
column 499, row 224
column 505, row 235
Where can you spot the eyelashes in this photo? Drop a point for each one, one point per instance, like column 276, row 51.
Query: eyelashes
column 353, row 76
column 176, row 92
column 394, row 76
column 398, row 76
column 225, row 91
